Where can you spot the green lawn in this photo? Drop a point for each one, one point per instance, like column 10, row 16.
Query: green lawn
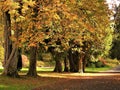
column 24, row 83
column 98, row 69
column 50, row 69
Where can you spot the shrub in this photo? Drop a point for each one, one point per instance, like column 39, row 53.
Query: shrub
column 99, row 64
column 92, row 65
column 112, row 63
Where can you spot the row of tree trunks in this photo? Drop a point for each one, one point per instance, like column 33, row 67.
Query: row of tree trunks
column 12, row 53
column 74, row 62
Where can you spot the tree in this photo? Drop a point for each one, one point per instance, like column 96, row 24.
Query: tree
column 92, row 28
column 11, row 55
column 49, row 23
column 114, row 52
column 32, row 67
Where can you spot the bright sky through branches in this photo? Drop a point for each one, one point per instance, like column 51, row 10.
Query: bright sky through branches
column 112, row 3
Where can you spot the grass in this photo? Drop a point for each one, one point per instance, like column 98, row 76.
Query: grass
column 50, row 69
column 7, row 83
column 24, row 83
column 90, row 69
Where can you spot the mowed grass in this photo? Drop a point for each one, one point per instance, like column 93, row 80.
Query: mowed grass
column 92, row 70
column 24, row 82
column 29, row 83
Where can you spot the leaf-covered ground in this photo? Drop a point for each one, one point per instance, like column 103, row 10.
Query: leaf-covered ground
column 96, row 81
column 108, row 80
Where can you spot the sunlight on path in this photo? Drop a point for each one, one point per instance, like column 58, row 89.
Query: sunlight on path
column 74, row 75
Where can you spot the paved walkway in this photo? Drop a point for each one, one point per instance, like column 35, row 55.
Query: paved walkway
column 115, row 70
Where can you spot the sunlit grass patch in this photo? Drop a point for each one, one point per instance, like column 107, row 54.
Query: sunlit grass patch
column 90, row 69
column 3, row 86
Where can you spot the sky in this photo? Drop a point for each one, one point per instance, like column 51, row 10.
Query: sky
column 112, row 2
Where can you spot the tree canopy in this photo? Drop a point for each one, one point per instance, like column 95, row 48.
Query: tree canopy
column 63, row 24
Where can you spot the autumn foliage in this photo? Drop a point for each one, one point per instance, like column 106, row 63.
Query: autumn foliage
column 78, row 25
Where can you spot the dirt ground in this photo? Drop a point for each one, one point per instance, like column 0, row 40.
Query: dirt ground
column 94, row 81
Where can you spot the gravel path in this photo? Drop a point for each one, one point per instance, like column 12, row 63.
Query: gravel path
column 116, row 69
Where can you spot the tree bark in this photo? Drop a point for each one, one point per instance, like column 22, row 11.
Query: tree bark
column 32, row 65
column 7, row 35
column 19, row 64
column 66, row 65
column 10, row 68
column 73, row 60
column 11, row 52
column 82, row 64
column 58, row 65
column 70, row 57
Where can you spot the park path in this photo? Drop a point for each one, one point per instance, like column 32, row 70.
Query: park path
column 109, row 80
column 85, row 83
column 113, row 70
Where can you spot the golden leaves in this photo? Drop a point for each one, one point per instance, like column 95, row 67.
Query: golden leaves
column 9, row 5
column 29, row 3
column 66, row 19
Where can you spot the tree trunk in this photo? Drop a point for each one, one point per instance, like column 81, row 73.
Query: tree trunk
column 11, row 52
column 19, row 64
column 32, row 65
column 7, row 35
column 70, row 57
column 74, row 61
column 84, row 63
column 10, row 68
column 66, row 65
column 81, row 70
column 58, row 65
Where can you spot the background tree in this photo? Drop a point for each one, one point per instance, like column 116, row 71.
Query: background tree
column 114, row 52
